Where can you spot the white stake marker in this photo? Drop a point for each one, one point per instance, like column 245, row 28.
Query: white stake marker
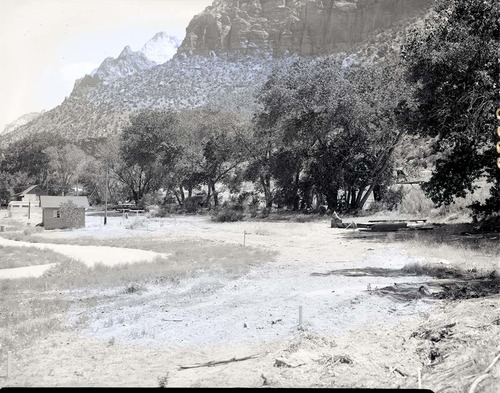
column 9, row 365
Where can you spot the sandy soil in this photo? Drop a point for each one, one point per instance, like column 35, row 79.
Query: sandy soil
column 349, row 337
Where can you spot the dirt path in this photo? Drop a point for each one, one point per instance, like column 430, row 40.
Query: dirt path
column 90, row 255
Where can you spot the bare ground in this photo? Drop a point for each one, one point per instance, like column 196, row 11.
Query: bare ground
column 221, row 329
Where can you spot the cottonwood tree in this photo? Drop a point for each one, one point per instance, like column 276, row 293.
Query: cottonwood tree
column 453, row 63
column 213, row 148
column 26, row 162
column 327, row 128
column 66, row 165
column 148, row 148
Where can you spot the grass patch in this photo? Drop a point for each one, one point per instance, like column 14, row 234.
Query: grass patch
column 11, row 224
column 27, row 313
column 186, row 260
column 13, row 257
column 32, row 308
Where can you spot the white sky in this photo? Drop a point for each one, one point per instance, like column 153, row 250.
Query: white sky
column 45, row 45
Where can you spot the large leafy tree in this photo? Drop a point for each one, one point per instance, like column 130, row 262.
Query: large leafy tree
column 67, row 164
column 338, row 126
column 453, row 62
column 26, row 163
column 211, row 148
column 148, row 149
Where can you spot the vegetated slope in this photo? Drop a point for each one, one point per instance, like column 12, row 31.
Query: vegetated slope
column 21, row 121
column 97, row 109
column 101, row 103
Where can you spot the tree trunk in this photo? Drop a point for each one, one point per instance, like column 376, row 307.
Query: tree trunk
column 332, row 199
column 215, row 195
column 266, row 185
column 181, row 190
column 178, row 199
column 135, row 195
column 379, row 169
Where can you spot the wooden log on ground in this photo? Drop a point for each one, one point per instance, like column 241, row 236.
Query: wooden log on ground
column 388, row 227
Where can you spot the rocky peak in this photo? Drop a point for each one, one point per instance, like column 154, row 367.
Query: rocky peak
column 126, row 64
column 161, row 48
column 305, row 27
column 125, row 53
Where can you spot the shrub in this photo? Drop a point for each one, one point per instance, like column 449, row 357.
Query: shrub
column 192, row 204
column 31, row 230
column 229, row 212
column 71, row 214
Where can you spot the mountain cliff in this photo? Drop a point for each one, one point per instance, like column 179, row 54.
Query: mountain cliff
column 228, row 51
column 280, row 27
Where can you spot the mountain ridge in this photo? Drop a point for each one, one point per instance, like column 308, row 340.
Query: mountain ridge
column 100, row 103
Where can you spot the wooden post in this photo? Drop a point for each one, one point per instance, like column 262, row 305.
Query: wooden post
column 300, row 316
column 9, row 365
column 244, row 237
column 29, row 210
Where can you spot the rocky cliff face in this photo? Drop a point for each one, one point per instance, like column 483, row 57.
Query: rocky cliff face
column 305, row 27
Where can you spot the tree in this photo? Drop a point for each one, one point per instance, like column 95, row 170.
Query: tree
column 71, row 214
column 27, row 163
column 338, row 126
column 148, row 148
column 212, row 148
column 66, row 165
column 453, row 62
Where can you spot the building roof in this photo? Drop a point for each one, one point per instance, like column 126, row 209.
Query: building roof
column 55, row 201
column 28, row 190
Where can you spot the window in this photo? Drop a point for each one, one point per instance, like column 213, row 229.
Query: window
column 57, row 214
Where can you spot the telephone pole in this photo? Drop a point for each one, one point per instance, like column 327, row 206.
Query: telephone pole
column 106, row 195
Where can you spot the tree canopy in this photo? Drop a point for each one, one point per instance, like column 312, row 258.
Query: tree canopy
column 453, row 63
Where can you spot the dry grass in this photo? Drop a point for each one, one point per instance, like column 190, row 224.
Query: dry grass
column 13, row 257
column 31, row 308
column 27, row 312
column 187, row 259
column 11, row 224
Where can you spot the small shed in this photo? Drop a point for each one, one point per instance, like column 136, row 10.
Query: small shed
column 55, row 217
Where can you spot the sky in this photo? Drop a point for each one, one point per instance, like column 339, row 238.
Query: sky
column 45, row 45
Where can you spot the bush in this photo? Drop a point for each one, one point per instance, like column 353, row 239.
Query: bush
column 229, row 212
column 192, row 204
column 31, row 230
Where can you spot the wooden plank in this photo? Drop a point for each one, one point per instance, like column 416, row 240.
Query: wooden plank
column 398, row 220
column 386, row 227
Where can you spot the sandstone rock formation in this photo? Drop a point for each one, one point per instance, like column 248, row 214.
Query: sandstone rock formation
column 305, row 27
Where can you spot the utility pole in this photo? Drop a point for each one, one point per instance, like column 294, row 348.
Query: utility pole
column 106, row 194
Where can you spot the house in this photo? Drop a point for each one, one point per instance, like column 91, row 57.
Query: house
column 53, row 217
column 31, row 194
column 26, row 203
